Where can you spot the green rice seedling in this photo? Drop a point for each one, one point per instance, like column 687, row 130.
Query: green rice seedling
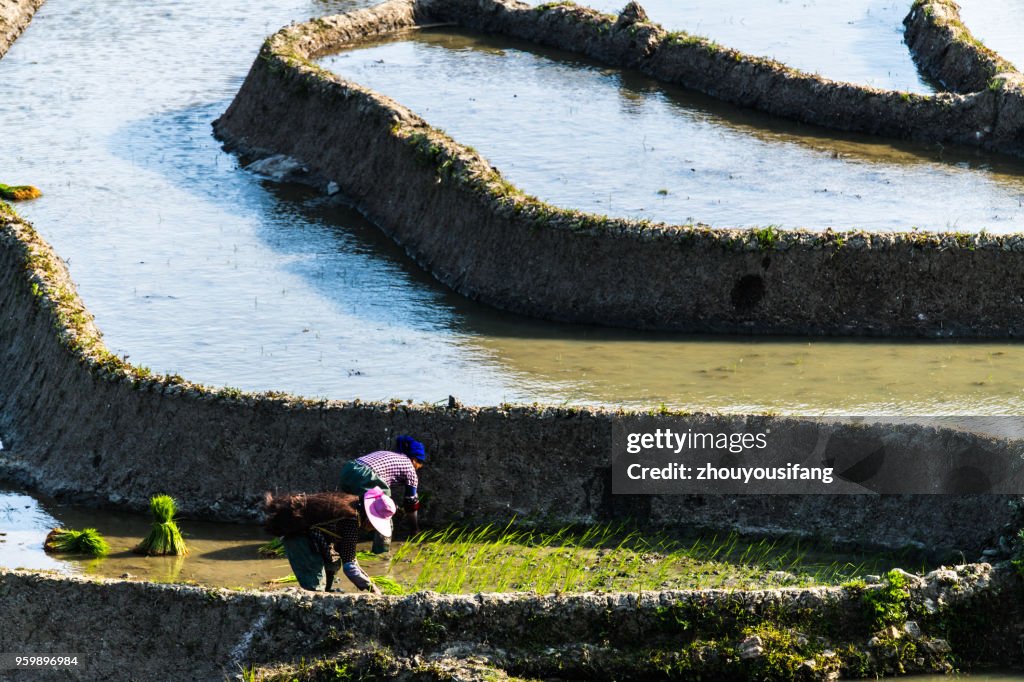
column 251, row 674
column 164, row 537
column 290, row 578
column 273, row 549
column 87, row 541
column 387, row 584
column 19, row 192
column 604, row 557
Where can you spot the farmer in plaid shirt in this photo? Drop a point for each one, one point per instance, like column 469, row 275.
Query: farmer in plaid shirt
column 386, row 469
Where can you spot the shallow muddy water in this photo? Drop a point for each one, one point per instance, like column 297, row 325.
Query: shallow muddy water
column 858, row 41
column 472, row 560
column 195, row 267
column 783, row 375
column 219, row 554
column 567, row 131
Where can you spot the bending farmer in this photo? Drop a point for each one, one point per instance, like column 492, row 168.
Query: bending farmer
column 386, row 469
column 320, row 533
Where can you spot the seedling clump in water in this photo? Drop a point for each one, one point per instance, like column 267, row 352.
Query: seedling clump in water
column 87, row 541
column 164, row 538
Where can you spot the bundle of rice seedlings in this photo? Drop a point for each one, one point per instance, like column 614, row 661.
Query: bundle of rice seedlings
column 19, row 192
column 273, row 549
column 87, row 541
column 387, row 585
column 164, row 538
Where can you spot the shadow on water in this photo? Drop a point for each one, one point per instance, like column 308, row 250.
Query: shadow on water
column 332, row 247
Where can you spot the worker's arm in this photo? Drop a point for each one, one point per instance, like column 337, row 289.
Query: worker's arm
column 354, row 572
column 412, row 499
column 412, row 507
column 348, row 533
column 412, row 521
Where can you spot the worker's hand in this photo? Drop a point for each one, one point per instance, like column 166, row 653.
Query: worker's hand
column 373, row 589
column 414, row 522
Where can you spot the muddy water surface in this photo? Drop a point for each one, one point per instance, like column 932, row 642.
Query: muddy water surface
column 196, row 267
column 858, row 41
column 220, row 554
column 791, row 376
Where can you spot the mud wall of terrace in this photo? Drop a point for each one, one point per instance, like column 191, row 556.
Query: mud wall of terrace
column 947, row 52
column 15, row 16
column 700, row 64
column 478, row 234
column 128, row 630
column 82, row 424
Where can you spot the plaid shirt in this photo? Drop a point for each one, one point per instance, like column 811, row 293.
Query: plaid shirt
column 394, row 467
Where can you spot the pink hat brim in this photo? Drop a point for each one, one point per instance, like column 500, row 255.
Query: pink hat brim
column 380, row 523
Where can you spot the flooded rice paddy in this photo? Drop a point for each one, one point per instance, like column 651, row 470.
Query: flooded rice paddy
column 193, row 266
column 486, row 559
column 567, row 130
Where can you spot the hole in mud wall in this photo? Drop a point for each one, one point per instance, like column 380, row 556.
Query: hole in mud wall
column 747, row 292
column 967, row 480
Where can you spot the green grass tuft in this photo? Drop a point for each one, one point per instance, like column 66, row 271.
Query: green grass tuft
column 19, row 192
column 888, row 604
